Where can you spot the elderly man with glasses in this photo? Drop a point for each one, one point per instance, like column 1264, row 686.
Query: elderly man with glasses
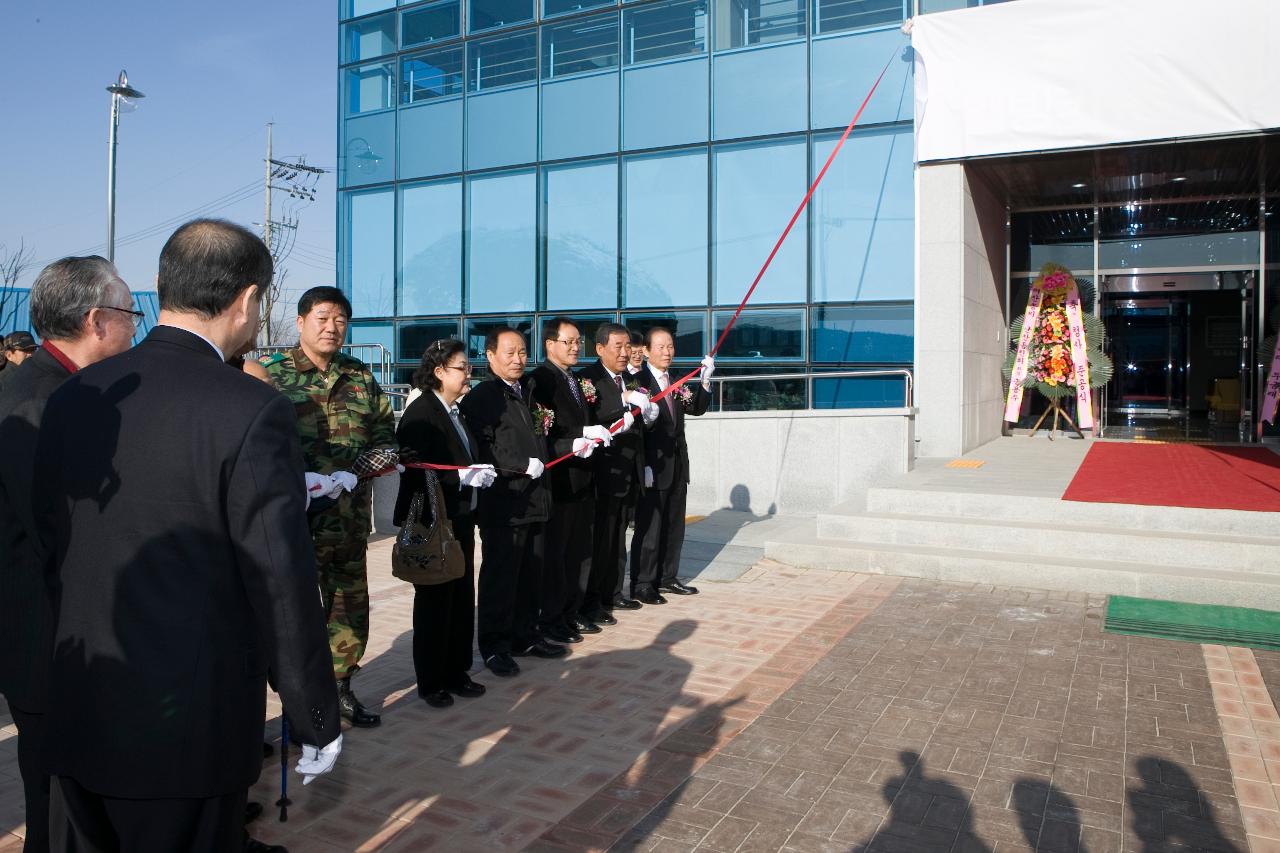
column 81, row 308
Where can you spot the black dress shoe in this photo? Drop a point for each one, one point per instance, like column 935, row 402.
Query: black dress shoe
column 502, row 665
column 351, row 709
column 650, row 598
column 561, row 635
column 677, row 588
column 603, row 618
column 542, row 649
column 467, row 689
column 621, row 603
column 438, row 698
column 586, row 626
column 252, row 811
column 252, row 845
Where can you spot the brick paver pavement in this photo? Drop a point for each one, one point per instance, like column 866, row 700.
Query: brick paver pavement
column 788, row 710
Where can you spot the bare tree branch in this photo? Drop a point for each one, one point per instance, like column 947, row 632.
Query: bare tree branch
column 13, row 265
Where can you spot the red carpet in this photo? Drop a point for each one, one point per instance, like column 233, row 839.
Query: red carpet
column 1179, row 475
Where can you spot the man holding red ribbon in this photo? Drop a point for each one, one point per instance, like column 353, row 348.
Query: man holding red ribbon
column 659, row 536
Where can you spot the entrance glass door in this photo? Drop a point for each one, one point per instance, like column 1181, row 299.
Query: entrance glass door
column 1149, row 346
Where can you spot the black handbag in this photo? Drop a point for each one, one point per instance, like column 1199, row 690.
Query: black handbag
column 426, row 551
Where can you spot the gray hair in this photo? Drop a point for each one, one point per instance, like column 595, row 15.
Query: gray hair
column 67, row 290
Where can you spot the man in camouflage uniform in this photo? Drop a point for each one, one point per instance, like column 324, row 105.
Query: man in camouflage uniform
column 345, row 423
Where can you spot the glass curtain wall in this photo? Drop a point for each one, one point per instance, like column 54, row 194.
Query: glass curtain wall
column 505, row 161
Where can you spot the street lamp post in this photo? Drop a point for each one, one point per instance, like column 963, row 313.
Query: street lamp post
column 119, row 92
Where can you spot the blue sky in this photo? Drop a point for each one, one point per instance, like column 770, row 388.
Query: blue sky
column 214, row 74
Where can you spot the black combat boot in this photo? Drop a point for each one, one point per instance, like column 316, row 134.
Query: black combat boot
column 351, row 709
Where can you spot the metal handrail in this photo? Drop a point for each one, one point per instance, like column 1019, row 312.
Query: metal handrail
column 905, row 373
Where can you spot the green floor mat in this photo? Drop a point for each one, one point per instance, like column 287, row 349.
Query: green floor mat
column 1193, row 623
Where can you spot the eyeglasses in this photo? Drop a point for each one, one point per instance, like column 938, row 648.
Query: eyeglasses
column 466, row 368
column 138, row 316
column 578, row 342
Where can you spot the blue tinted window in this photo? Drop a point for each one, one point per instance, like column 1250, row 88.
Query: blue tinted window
column 689, row 328
column 586, row 44
column 741, row 23
column 666, row 103
column 369, row 38
column 369, row 274
column 502, row 242
column 761, row 92
column 370, row 87
column 503, row 61
column 859, row 393
column 771, row 335
column 431, row 248
column 430, row 23
column 665, row 229
column 416, row 337
column 831, row 16
column 757, row 187
column 432, row 74
column 665, row 31
column 580, row 116
column 582, row 236
column 864, row 218
column 876, row 334
column 368, row 149
column 842, row 69
column 356, row 8
column 478, row 327
column 431, row 139
column 502, row 128
column 486, row 14
column 560, row 7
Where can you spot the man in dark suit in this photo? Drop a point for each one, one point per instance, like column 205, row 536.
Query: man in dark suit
column 618, row 472
column 553, row 387
column 82, row 310
column 659, row 536
column 170, row 493
column 511, row 512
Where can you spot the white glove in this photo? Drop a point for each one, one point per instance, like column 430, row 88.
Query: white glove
column 708, row 367
column 598, row 433
column 582, row 447
column 635, row 398
column 480, row 476
column 627, row 420
column 650, row 413
column 316, row 761
column 321, row 486
column 346, row 480
column 648, row 477
column 535, row 468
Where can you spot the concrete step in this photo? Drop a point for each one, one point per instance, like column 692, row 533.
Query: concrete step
column 1052, row 511
column 1033, row 539
column 1172, row 583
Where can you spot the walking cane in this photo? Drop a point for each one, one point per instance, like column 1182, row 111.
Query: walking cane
column 284, row 801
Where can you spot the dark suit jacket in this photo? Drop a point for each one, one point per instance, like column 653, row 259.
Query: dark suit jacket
column 499, row 418
column 665, row 449
column 549, row 387
column 25, row 618
column 619, row 466
column 427, row 430
column 170, row 491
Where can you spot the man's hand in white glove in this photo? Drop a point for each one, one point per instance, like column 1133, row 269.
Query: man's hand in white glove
column 321, row 486
column 627, row 420
column 316, row 761
column 535, row 468
column 648, row 477
column 582, row 447
column 635, row 398
column 346, row 479
column 650, row 413
column 479, row 476
column 598, row 433
column 708, row 368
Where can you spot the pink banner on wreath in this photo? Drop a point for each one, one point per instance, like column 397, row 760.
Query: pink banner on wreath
column 1079, row 357
column 1030, row 320
column 1273, row 389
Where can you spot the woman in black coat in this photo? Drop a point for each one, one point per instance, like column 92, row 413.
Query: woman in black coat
column 443, row 614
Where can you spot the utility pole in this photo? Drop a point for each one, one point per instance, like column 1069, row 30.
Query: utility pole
column 266, row 236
